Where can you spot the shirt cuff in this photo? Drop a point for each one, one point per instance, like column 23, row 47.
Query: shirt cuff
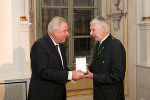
column 69, row 75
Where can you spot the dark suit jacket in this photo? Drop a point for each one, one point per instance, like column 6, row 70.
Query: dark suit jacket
column 48, row 76
column 109, row 71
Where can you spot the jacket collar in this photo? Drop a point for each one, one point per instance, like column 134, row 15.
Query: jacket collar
column 106, row 40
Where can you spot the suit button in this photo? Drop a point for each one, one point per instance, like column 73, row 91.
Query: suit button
column 102, row 48
column 103, row 62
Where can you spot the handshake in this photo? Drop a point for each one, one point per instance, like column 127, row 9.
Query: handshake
column 78, row 74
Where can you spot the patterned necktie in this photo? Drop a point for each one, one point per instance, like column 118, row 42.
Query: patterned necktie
column 98, row 51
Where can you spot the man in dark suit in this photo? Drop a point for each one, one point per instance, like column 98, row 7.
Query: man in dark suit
column 109, row 63
column 49, row 66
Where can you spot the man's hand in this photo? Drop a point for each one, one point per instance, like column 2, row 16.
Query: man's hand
column 77, row 74
column 89, row 75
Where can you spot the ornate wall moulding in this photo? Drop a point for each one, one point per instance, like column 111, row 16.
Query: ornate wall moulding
column 116, row 15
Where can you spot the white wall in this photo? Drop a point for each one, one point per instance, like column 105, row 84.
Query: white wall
column 143, row 51
column 14, row 41
column 5, row 32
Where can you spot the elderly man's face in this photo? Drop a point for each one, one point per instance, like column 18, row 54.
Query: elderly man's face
column 96, row 32
column 62, row 34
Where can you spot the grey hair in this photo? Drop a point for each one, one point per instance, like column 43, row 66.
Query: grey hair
column 55, row 23
column 100, row 21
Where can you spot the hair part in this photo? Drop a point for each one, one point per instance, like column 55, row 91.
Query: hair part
column 55, row 24
column 100, row 21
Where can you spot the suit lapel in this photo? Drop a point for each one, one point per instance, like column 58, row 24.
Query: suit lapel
column 63, row 54
column 105, row 42
column 104, row 45
column 53, row 47
column 50, row 43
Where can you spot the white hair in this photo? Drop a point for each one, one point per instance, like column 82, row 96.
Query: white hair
column 100, row 21
column 55, row 24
